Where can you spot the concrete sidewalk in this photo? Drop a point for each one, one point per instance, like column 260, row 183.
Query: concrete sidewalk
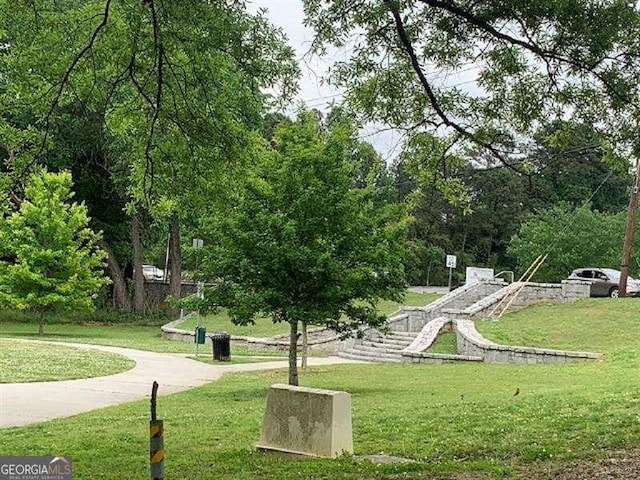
column 25, row 403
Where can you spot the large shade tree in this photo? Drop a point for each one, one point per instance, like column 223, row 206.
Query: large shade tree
column 300, row 242
column 569, row 164
column 173, row 88
column 487, row 73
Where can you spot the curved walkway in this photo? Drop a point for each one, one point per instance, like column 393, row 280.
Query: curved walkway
column 25, row 403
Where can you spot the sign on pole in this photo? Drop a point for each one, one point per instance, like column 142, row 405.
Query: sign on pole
column 451, row 264
column 451, row 261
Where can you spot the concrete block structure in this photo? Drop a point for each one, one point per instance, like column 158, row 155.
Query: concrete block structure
column 307, row 421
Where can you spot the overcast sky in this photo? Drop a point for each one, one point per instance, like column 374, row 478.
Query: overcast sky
column 288, row 15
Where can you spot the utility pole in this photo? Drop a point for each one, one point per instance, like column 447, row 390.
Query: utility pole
column 629, row 232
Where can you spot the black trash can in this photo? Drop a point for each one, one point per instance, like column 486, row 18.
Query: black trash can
column 221, row 346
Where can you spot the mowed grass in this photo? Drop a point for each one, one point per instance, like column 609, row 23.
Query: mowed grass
column 449, row 418
column 22, row 361
column 599, row 325
column 445, row 343
column 265, row 327
column 139, row 337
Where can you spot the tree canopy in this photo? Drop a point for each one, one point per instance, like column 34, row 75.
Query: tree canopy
column 486, row 73
column 174, row 85
column 573, row 237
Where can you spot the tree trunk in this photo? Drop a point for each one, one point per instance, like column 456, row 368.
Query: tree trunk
column 41, row 323
column 305, row 346
column 138, row 277
column 120, row 295
column 293, row 352
column 175, row 258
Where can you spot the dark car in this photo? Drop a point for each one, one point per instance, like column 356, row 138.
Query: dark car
column 605, row 281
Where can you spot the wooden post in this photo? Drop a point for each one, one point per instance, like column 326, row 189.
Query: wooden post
column 156, row 447
column 629, row 233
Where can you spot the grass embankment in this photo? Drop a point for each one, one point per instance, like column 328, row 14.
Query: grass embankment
column 449, row 418
column 264, row 327
column 38, row 362
column 600, row 325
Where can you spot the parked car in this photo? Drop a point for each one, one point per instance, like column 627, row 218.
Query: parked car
column 605, row 281
column 151, row 272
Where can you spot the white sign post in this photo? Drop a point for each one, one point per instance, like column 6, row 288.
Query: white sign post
column 451, row 264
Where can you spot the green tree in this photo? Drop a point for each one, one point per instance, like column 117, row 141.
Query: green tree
column 171, row 93
column 487, row 72
column 49, row 258
column 300, row 243
column 572, row 163
column 573, row 237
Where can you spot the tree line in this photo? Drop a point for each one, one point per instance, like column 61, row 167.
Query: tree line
column 165, row 116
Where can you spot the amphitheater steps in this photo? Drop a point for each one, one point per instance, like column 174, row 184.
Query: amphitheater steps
column 384, row 349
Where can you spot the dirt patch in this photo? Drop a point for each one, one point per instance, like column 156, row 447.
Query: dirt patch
column 619, row 465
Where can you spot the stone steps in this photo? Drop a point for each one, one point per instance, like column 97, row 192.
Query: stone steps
column 384, row 348
column 385, row 341
column 401, row 335
column 376, row 350
column 380, row 344
column 368, row 358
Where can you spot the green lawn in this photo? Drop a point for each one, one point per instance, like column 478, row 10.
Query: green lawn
column 445, row 343
column 140, row 337
column 264, row 327
column 37, row 362
column 450, row 418
column 600, row 325
column 236, row 359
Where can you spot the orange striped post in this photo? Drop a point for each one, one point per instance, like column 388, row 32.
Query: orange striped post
column 156, row 447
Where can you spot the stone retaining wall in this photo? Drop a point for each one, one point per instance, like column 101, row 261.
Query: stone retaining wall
column 428, row 335
column 320, row 339
column 460, row 298
column 519, row 295
column 472, row 343
column 423, row 357
column 170, row 332
column 156, row 292
column 531, row 293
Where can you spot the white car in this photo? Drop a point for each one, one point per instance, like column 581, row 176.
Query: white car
column 151, row 272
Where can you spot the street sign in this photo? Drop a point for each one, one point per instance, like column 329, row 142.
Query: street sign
column 451, row 261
